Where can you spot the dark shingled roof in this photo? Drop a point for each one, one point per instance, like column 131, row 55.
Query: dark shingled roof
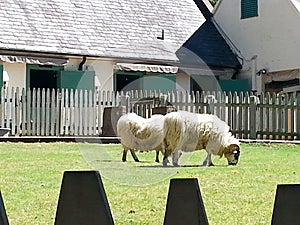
column 207, row 46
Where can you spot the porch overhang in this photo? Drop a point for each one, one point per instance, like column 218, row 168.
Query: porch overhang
column 283, row 75
column 33, row 60
column 146, row 68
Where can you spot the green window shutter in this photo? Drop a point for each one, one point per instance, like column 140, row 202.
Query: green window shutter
column 77, row 80
column 163, row 83
column 204, row 83
column 249, row 8
column 234, row 85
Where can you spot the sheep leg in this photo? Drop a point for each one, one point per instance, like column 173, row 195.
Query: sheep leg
column 132, row 153
column 165, row 160
column 124, row 155
column 207, row 161
column 167, row 153
column 136, row 159
column 175, row 157
column 157, row 157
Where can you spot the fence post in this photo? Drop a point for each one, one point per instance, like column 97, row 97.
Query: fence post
column 2, row 108
column 125, row 102
column 297, row 116
column 211, row 100
column 252, row 121
column 163, row 100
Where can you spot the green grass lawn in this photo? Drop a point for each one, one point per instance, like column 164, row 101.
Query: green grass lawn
column 31, row 175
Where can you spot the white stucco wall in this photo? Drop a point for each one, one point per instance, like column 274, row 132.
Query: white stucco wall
column 182, row 82
column 73, row 64
column 104, row 79
column 16, row 73
column 103, row 71
column 273, row 36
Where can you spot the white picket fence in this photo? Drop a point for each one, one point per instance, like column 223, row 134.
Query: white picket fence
column 45, row 112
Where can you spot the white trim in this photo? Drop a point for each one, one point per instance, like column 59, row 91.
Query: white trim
column 146, row 68
column 5, row 76
column 296, row 3
column 33, row 60
column 291, row 89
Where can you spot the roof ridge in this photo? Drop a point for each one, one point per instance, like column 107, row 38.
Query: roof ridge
column 203, row 6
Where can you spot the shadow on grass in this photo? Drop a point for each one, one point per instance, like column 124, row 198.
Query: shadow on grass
column 107, row 161
column 181, row 166
column 203, row 166
column 158, row 165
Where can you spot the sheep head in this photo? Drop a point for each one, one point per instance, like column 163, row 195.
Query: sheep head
column 232, row 154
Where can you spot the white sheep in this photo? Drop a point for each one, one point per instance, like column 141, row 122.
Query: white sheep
column 185, row 131
column 140, row 134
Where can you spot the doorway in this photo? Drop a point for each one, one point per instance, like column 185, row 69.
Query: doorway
column 43, row 79
column 39, row 76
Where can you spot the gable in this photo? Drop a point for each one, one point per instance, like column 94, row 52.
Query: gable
column 207, row 47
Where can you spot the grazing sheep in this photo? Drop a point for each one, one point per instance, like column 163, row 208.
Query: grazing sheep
column 186, row 131
column 140, row 134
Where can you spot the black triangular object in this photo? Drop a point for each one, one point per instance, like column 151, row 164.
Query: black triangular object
column 287, row 205
column 3, row 216
column 185, row 204
column 82, row 200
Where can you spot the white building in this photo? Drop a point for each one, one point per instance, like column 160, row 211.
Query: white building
column 88, row 44
column 265, row 35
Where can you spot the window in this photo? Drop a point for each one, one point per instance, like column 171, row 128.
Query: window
column 42, row 76
column 249, row 8
column 53, row 77
column 131, row 80
column 128, row 80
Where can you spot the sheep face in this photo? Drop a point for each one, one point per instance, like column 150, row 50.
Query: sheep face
column 232, row 154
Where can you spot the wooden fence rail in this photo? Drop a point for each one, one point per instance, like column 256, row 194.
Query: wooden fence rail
column 45, row 112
